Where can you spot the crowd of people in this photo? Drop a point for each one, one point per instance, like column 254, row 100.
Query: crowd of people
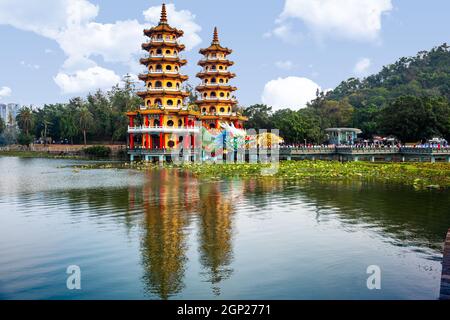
column 437, row 146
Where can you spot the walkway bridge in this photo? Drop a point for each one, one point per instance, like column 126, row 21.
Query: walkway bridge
column 395, row 154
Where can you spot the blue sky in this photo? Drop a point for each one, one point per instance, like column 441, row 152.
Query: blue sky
column 56, row 49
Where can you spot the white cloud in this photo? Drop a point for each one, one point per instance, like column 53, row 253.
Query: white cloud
column 349, row 19
column 290, row 92
column 30, row 65
column 71, row 23
column 285, row 65
column 5, row 92
column 117, row 42
column 85, row 80
column 286, row 33
column 362, row 66
column 182, row 19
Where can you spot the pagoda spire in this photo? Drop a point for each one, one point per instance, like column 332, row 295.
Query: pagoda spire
column 216, row 36
column 163, row 14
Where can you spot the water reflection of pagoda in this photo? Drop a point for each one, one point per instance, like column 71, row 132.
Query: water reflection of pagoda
column 171, row 201
column 215, row 233
column 167, row 203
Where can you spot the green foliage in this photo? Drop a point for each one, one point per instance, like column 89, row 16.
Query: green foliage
column 2, row 126
column 99, row 117
column 98, row 151
column 414, row 119
column 25, row 119
column 25, row 139
column 259, row 117
column 294, row 126
column 428, row 73
column 86, row 121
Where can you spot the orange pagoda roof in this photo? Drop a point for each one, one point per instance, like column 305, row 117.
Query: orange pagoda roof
column 163, row 26
column 215, row 45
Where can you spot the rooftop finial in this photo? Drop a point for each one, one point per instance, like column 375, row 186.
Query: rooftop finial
column 216, row 36
column 163, row 14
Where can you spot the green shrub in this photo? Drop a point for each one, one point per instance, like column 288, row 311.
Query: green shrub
column 25, row 139
column 98, row 151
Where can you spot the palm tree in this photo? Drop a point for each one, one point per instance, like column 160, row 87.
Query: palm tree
column 86, row 121
column 25, row 119
column 46, row 123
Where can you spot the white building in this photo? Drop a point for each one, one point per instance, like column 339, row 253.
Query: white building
column 3, row 109
column 9, row 111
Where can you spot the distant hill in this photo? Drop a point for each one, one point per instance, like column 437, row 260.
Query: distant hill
column 409, row 99
column 414, row 91
column 426, row 74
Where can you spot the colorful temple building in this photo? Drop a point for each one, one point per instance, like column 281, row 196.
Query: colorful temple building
column 166, row 120
column 216, row 101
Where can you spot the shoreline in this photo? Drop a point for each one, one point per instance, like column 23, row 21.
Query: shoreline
column 29, row 154
column 38, row 154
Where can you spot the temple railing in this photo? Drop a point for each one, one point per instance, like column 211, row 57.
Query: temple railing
column 163, row 40
column 160, row 129
column 214, row 59
column 163, row 72
column 161, row 56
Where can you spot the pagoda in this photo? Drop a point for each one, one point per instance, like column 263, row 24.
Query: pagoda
column 164, row 119
column 216, row 100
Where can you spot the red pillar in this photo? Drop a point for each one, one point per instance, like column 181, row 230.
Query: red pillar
column 131, row 135
column 161, row 135
column 185, row 121
column 147, row 136
column 236, row 124
column 217, row 123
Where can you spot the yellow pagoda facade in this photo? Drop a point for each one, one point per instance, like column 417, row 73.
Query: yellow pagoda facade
column 166, row 120
column 216, row 100
column 164, row 117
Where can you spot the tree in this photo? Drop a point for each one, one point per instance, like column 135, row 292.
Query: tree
column 86, row 121
column 2, row 126
column 25, row 139
column 367, row 119
column 192, row 99
column 122, row 100
column 25, row 119
column 260, row 117
column 297, row 126
column 69, row 128
column 412, row 119
column 332, row 113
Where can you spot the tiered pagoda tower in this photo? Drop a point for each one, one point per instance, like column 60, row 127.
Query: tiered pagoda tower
column 216, row 101
column 165, row 120
column 164, row 113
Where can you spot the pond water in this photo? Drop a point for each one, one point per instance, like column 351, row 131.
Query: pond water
column 164, row 234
